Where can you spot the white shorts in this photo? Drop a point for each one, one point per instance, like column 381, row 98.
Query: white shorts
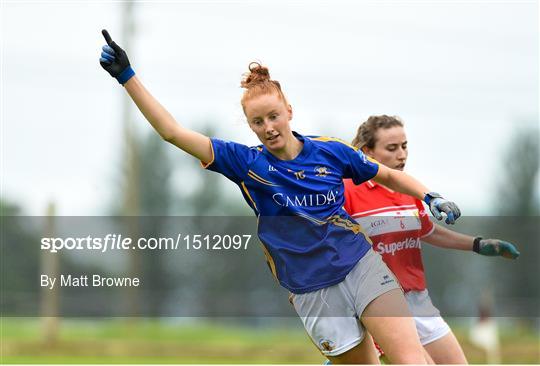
column 429, row 324
column 331, row 315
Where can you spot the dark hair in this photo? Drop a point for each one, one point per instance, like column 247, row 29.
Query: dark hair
column 257, row 82
column 365, row 136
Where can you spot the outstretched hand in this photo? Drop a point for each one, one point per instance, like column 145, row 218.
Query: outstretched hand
column 495, row 247
column 438, row 204
column 114, row 60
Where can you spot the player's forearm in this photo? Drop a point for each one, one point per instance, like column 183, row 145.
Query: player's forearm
column 404, row 183
column 162, row 121
column 401, row 182
column 444, row 238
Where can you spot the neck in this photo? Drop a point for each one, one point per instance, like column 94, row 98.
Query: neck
column 292, row 149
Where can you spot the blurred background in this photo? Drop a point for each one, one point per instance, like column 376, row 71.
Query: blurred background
column 462, row 76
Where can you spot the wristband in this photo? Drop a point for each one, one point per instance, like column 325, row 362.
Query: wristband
column 476, row 244
column 125, row 75
column 431, row 195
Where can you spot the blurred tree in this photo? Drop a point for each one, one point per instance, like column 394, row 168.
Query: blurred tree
column 156, row 193
column 9, row 208
column 517, row 187
column 156, row 197
column 517, row 221
column 19, row 289
column 207, row 199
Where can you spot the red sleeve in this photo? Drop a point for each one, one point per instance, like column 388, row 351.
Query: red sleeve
column 427, row 225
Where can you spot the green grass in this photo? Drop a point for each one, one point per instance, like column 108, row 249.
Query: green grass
column 150, row 341
column 142, row 341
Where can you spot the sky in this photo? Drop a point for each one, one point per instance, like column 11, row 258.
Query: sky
column 463, row 75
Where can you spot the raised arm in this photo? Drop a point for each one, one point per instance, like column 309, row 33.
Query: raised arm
column 115, row 61
column 404, row 183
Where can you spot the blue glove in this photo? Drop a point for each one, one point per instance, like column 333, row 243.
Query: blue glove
column 495, row 247
column 115, row 61
column 438, row 204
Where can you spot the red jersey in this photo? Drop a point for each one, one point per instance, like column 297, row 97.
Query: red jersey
column 395, row 222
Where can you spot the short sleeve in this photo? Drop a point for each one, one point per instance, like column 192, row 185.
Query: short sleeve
column 230, row 159
column 427, row 226
column 358, row 166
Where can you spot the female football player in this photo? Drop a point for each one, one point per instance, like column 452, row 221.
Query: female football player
column 294, row 185
column 396, row 223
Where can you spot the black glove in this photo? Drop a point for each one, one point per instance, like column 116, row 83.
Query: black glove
column 115, row 61
column 437, row 204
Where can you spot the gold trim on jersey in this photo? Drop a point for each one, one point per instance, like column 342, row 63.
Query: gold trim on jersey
column 270, row 261
column 249, row 196
column 338, row 221
column 269, row 258
column 372, row 160
column 206, row 165
column 346, row 223
column 255, row 177
column 311, row 218
column 327, row 139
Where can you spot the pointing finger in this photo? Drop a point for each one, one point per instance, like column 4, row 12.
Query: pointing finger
column 107, row 37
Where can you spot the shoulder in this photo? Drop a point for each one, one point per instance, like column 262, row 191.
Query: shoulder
column 231, row 158
column 236, row 148
column 333, row 143
column 331, row 146
column 253, row 154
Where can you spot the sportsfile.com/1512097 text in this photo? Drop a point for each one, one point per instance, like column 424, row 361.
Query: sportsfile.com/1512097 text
column 121, row 242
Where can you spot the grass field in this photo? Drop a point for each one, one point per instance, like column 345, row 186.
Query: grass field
column 141, row 341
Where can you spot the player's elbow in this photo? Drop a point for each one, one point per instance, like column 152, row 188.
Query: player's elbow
column 168, row 138
column 170, row 133
column 167, row 135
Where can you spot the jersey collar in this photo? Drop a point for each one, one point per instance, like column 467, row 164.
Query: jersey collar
column 306, row 149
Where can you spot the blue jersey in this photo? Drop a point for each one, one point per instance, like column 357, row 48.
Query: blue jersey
column 309, row 240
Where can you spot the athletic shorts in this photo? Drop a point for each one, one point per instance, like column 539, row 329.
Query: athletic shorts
column 429, row 324
column 331, row 315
